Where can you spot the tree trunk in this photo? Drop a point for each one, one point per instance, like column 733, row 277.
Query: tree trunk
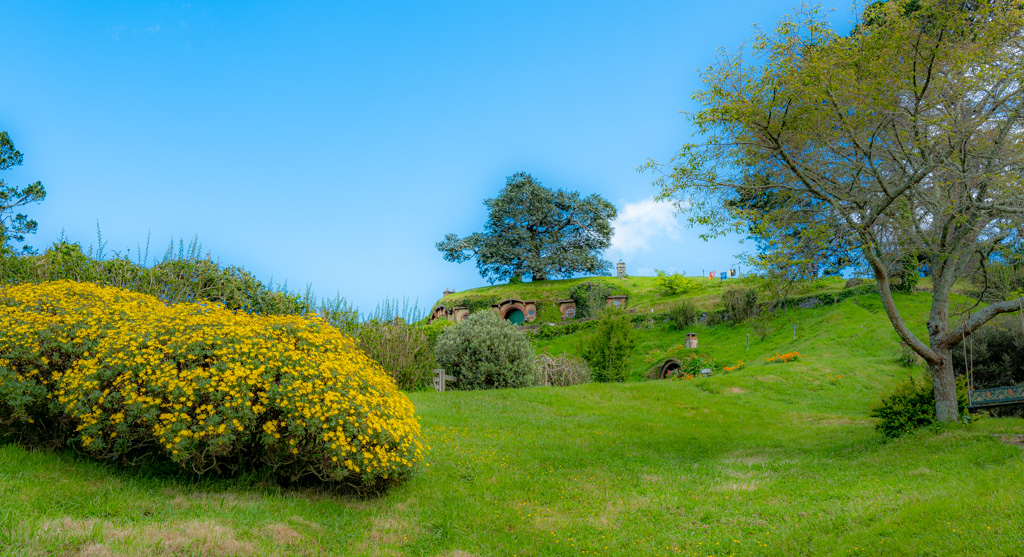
column 944, row 385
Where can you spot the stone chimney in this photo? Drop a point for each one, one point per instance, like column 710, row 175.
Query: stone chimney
column 621, row 268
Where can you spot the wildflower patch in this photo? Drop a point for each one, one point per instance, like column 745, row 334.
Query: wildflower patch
column 125, row 377
column 783, row 358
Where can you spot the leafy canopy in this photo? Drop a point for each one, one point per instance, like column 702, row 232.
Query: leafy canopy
column 14, row 226
column 537, row 233
column 899, row 142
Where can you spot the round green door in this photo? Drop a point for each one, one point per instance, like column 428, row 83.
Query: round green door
column 515, row 316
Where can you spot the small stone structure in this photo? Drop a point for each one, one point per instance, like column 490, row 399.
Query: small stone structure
column 567, row 307
column 447, row 291
column 620, row 268
column 454, row 315
column 691, row 340
column 516, row 311
column 617, row 302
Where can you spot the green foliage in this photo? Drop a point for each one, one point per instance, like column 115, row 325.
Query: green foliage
column 910, row 406
column 551, row 331
column 537, row 232
column 853, row 282
column 740, row 303
column 683, row 315
column 390, row 309
column 906, row 275
column 486, row 352
column 434, row 329
column 995, row 352
column 609, row 348
column 591, row 297
column 14, row 226
column 404, row 351
column 674, row 284
column 181, row 276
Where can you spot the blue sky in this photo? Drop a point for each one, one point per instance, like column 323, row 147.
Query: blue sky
column 334, row 143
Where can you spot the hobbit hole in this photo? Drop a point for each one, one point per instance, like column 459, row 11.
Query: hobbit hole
column 516, row 311
column 668, row 367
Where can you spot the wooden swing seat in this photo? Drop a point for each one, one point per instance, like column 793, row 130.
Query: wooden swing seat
column 999, row 396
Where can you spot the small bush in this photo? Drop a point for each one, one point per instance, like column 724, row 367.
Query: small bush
column 906, row 275
column 401, row 349
column 910, row 406
column 561, row 371
column 185, row 277
column 995, row 352
column 683, row 315
column 763, row 324
column 486, row 352
column 671, row 285
column 740, row 303
column 853, row 283
column 592, row 298
column 126, row 378
column 609, row 347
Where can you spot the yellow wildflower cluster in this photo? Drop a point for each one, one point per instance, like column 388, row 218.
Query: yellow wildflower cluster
column 210, row 388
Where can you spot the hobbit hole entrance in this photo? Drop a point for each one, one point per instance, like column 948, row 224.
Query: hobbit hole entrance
column 670, row 365
column 515, row 316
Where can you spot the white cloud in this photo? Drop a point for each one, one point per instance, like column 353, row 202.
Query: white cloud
column 642, row 221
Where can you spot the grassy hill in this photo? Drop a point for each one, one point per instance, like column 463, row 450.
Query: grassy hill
column 642, row 291
column 773, row 459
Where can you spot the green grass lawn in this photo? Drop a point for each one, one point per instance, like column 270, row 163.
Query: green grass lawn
column 774, row 459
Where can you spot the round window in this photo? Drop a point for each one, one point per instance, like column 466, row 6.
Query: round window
column 570, row 312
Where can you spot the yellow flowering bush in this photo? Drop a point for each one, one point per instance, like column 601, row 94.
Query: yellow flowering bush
column 124, row 376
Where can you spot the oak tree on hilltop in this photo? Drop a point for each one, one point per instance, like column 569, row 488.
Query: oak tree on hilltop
column 537, row 233
column 899, row 142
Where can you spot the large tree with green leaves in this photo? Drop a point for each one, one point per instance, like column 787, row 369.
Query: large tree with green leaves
column 900, row 141
column 537, row 233
column 14, row 226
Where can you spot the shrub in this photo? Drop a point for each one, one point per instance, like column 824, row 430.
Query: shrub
column 609, row 347
column 124, row 377
column 561, row 371
column 486, row 352
column 592, row 298
column 853, row 283
column 906, row 275
column 910, row 406
column 671, row 285
column 185, row 277
column 401, row 349
column 683, row 314
column 740, row 303
column 995, row 351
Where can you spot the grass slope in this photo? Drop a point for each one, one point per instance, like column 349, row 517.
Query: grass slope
column 642, row 291
column 774, row 459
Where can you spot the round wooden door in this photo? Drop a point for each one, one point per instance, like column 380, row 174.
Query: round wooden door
column 515, row 316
